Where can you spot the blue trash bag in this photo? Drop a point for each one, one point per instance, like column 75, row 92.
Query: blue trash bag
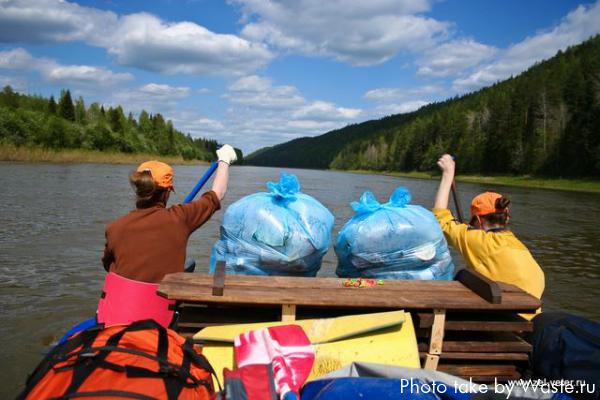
column 378, row 389
column 282, row 232
column 395, row 240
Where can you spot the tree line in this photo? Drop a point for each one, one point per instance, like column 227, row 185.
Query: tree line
column 546, row 121
column 31, row 120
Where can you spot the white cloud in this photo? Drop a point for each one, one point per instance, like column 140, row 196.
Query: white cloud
column 399, row 108
column 165, row 91
column 152, row 97
column 144, row 41
column 16, row 59
column 261, row 113
column 321, row 110
column 389, row 94
column 402, row 100
column 140, row 40
column 193, row 122
column 82, row 75
column 577, row 26
column 38, row 21
column 210, row 125
column 17, row 84
column 359, row 33
column 252, row 83
column 264, row 114
column 19, row 60
column 259, row 93
column 454, row 57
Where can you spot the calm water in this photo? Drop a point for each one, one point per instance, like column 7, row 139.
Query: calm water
column 52, row 236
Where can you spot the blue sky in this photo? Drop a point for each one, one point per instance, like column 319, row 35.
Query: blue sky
column 255, row 73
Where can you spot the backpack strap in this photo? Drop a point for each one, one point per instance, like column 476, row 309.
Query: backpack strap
column 110, row 394
column 57, row 355
column 174, row 377
column 85, row 359
column 94, row 358
column 198, row 359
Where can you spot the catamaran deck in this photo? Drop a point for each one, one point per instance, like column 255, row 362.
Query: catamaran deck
column 469, row 327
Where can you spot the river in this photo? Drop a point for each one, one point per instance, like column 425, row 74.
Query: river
column 52, row 235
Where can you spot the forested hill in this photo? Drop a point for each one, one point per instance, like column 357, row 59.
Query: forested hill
column 35, row 121
column 546, row 121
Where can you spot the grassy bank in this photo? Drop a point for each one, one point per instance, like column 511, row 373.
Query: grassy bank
column 574, row 185
column 35, row 154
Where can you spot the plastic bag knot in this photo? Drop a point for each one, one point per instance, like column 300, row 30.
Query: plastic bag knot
column 400, row 198
column 286, row 188
column 366, row 204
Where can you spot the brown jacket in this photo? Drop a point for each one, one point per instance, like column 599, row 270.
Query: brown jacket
column 149, row 243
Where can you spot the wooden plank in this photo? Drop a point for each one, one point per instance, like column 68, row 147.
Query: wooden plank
column 480, row 284
column 219, row 279
column 507, row 287
column 288, row 312
column 437, row 331
column 431, row 362
column 396, row 295
column 489, row 326
column 481, row 356
column 481, row 342
column 470, row 322
column 278, row 296
column 517, row 346
column 477, row 370
column 327, row 283
column 394, row 300
column 316, row 283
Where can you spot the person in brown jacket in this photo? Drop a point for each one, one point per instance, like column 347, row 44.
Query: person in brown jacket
column 151, row 240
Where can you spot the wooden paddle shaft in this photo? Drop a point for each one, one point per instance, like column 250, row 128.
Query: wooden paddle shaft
column 457, row 202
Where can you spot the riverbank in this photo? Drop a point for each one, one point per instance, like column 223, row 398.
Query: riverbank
column 572, row 185
column 36, row 154
column 75, row 156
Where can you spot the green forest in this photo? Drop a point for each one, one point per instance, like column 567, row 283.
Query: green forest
column 543, row 122
column 35, row 121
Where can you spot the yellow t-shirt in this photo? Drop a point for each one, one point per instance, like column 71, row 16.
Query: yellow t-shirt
column 498, row 255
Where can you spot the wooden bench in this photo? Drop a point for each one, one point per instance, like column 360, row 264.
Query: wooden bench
column 469, row 327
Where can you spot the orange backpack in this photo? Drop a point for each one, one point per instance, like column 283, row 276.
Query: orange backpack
column 140, row 361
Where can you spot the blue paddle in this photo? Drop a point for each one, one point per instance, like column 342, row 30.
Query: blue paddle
column 211, row 170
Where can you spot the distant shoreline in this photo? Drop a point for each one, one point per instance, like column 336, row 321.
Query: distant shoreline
column 572, row 185
column 77, row 156
column 12, row 153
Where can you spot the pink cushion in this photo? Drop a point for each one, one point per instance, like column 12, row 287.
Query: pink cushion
column 126, row 301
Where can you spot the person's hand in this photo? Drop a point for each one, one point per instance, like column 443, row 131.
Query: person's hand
column 446, row 164
column 227, row 154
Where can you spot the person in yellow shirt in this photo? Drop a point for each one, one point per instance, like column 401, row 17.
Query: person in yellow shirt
column 487, row 244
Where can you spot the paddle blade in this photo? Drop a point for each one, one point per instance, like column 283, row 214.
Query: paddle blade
column 286, row 348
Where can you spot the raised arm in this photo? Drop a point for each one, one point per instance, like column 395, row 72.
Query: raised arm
column 446, row 164
column 226, row 156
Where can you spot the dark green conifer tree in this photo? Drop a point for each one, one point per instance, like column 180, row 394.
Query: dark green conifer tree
column 9, row 98
column 52, row 106
column 80, row 113
column 66, row 109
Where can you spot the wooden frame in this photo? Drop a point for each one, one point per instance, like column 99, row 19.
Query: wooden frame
column 469, row 327
column 436, row 340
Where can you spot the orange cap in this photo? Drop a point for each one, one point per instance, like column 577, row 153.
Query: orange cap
column 484, row 204
column 161, row 173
